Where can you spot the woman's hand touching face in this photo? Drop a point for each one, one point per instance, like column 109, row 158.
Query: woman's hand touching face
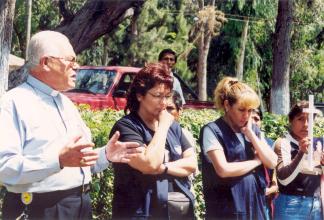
column 165, row 118
column 247, row 127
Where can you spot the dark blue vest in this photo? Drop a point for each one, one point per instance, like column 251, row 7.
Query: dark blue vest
column 140, row 196
column 218, row 191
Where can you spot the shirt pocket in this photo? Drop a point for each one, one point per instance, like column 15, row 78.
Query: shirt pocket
column 76, row 127
column 39, row 135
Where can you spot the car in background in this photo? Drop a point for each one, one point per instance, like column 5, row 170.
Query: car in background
column 320, row 106
column 106, row 87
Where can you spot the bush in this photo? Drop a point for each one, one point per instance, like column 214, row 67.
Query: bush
column 101, row 122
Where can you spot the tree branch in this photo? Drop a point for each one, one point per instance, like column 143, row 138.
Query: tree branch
column 65, row 12
column 95, row 19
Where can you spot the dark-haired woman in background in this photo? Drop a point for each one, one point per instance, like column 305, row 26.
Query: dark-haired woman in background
column 232, row 156
column 142, row 188
column 271, row 177
column 299, row 185
column 175, row 108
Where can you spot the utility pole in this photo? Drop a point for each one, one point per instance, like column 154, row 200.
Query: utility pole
column 28, row 24
column 7, row 11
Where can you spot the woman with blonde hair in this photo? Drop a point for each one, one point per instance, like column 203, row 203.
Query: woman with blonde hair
column 233, row 155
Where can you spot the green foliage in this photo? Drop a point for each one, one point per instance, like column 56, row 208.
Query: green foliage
column 157, row 28
column 274, row 126
column 100, row 124
column 319, row 127
column 93, row 55
column 101, row 194
column 163, row 24
column 307, row 58
column 160, row 28
column 193, row 120
column 45, row 15
column 258, row 52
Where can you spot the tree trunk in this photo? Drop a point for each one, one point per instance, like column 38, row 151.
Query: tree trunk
column 203, row 48
column 7, row 9
column 105, row 56
column 239, row 67
column 95, row 19
column 134, row 33
column 280, row 99
column 201, row 4
column 28, row 24
column 263, row 109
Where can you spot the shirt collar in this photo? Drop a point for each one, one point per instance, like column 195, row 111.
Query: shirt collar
column 41, row 86
column 291, row 139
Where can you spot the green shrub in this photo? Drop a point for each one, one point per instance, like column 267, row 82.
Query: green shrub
column 100, row 124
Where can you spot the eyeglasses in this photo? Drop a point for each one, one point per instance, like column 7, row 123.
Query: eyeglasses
column 168, row 59
column 67, row 59
column 160, row 97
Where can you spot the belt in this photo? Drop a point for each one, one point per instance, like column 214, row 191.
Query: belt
column 54, row 196
column 297, row 193
column 67, row 192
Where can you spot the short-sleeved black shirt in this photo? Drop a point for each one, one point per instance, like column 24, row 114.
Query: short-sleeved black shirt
column 131, row 187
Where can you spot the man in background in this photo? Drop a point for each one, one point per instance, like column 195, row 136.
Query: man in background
column 169, row 58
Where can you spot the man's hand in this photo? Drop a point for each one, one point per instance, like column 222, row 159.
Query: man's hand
column 77, row 153
column 271, row 191
column 122, row 152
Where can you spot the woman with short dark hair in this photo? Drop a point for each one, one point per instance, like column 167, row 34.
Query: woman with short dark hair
column 299, row 184
column 143, row 189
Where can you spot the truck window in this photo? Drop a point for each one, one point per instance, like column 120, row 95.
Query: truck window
column 125, row 82
column 95, row 81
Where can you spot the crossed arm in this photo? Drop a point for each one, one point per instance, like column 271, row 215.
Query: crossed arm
column 223, row 168
column 151, row 160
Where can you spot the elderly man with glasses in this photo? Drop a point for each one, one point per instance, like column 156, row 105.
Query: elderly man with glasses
column 46, row 152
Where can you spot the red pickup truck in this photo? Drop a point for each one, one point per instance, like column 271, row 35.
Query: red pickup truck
column 106, row 87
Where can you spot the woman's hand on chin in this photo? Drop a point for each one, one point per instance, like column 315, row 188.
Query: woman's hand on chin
column 165, row 118
column 247, row 128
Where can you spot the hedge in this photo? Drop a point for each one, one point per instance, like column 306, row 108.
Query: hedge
column 100, row 123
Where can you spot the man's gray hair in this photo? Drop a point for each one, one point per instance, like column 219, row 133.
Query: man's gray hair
column 45, row 43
